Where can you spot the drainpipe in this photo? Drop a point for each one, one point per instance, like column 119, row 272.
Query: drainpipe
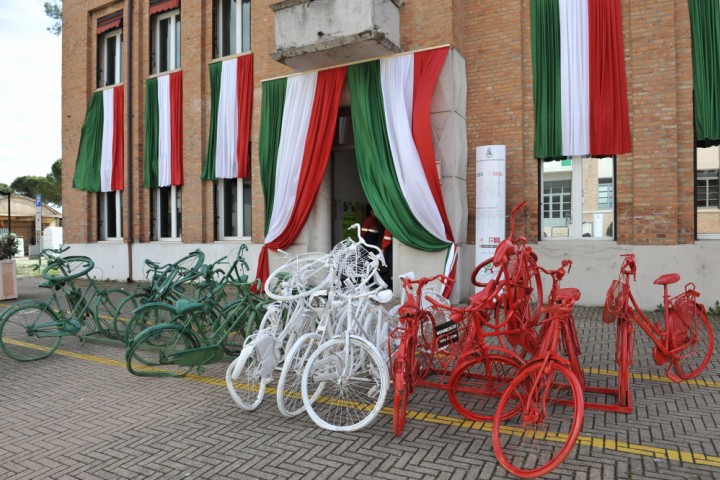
column 129, row 116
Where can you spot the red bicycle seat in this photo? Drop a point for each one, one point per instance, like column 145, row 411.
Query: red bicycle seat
column 567, row 293
column 667, row 279
column 504, row 249
column 483, row 295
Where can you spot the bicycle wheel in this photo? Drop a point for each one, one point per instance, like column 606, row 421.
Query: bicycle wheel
column 151, row 353
column 477, row 383
column 22, row 329
column 623, row 354
column 538, row 419
column 695, row 346
column 123, row 313
column 289, row 395
column 239, row 313
column 146, row 316
column 403, row 375
column 191, row 261
column 248, row 391
column 106, row 307
column 67, row 268
column 299, row 278
column 354, row 380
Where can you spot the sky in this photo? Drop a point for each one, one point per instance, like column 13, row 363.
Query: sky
column 30, row 90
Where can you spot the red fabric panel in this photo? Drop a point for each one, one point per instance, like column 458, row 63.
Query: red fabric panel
column 176, row 129
column 118, row 147
column 164, row 6
column 321, row 131
column 609, row 122
column 427, row 69
column 244, row 99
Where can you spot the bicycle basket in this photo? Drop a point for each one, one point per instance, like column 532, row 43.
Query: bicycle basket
column 683, row 311
column 614, row 301
column 356, row 265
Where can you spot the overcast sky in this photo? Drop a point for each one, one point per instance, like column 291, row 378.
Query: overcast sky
column 30, row 117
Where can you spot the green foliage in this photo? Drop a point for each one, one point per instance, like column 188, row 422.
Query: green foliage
column 8, row 247
column 49, row 186
column 54, row 11
column 660, row 308
column 5, row 189
column 715, row 309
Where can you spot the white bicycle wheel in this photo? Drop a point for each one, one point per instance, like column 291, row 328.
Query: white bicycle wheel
column 299, row 278
column 354, row 382
column 289, row 395
column 249, row 389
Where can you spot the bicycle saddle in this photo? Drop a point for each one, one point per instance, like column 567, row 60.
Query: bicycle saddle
column 567, row 293
column 667, row 279
column 483, row 295
column 504, row 249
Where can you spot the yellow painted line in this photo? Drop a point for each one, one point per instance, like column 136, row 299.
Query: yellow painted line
column 654, row 378
column 428, row 417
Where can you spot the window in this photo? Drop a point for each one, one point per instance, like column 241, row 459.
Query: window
column 707, row 209
column 109, row 69
column 232, row 27
column 707, row 189
column 578, row 198
column 166, row 208
column 110, row 215
column 234, row 211
column 165, row 43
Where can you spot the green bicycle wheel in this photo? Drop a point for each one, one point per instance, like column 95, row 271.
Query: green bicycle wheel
column 124, row 313
column 146, row 316
column 152, row 353
column 106, row 307
column 30, row 331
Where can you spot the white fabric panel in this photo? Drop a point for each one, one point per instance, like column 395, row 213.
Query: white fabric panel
column 299, row 99
column 227, row 122
column 107, row 141
column 164, row 177
column 575, row 77
column 396, row 77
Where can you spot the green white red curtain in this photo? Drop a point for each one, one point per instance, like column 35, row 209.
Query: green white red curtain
column 296, row 135
column 579, row 84
column 390, row 108
column 163, row 131
column 100, row 160
column 231, row 90
column 705, row 27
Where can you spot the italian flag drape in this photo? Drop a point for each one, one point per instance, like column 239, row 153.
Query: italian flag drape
column 705, row 27
column 579, row 85
column 390, row 108
column 100, row 159
column 296, row 134
column 163, row 131
column 231, row 90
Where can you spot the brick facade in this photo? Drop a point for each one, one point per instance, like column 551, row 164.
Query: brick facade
column 654, row 184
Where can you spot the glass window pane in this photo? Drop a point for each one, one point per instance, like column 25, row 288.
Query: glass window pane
column 177, row 42
column 247, row 208
column 245, row 25
column 179, row 211
column 163, row 43
column 110, row 60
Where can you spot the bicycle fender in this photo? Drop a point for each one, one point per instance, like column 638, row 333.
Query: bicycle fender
column 144, row 306
column 553, row 357
column 242, row 359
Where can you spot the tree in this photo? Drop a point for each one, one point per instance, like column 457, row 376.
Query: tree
column 5, row 189
column 54, row 11
column 49, row 186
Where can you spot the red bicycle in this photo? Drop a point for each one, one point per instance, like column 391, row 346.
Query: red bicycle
column 540, row 414
column 684, row 341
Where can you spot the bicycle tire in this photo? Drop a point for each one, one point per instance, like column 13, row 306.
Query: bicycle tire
column 249, row 393
column 146, row 316
column 70, row 268
column 151, row 353
column 124, row 312
column 349, row 402
column 19, row 325
column 520, row 433
column 299, row 278
column 477, row 383
column 289, row 390
column 106, row 306
column 191, row 261
column 696, row 348
column 403, row 374
column 624, row 349
column 241, row 312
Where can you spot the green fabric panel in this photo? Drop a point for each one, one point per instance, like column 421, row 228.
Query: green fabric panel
column 208, row 171
column 545, row 33
column 152, row 131
column 375, row 163
column 705, row 27
column 271, row 114
column 87, row 166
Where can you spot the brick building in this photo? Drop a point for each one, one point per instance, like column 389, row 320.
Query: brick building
column 660, row 201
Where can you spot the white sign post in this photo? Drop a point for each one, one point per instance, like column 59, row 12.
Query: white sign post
column 489, row 203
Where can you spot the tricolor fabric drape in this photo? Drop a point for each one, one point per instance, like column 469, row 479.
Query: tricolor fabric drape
column 100, row 159
column 705, row 27
column 231, row 90
column 163, row 131
column 390, row 107
column 579, row 84
column 293, row 160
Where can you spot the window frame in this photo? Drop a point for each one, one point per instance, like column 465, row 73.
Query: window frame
column 703, row 176
column 104, row 216
column 103, row 40
column 158, row 215
column 240, row 184
column 174, row 31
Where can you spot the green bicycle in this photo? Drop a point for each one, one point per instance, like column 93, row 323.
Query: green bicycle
column 33, row 329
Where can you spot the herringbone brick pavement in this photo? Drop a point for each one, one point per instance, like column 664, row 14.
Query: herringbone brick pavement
column 80, row 414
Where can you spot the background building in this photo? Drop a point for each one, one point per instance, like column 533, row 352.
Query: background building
column 656, row 201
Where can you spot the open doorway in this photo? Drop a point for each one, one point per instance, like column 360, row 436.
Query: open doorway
column 349, row 202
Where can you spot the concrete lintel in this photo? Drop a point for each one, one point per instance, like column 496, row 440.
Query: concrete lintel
column 291, row 3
